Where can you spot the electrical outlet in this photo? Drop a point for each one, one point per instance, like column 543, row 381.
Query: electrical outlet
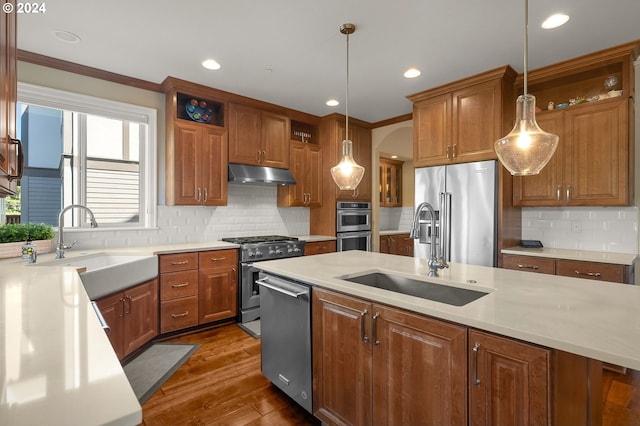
column 576, row 226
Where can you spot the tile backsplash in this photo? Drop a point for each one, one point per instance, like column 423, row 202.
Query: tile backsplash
column 250, row 210
column 608, row 229
column 395, row 218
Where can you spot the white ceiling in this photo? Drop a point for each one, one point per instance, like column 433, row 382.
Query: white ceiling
column 299, row 40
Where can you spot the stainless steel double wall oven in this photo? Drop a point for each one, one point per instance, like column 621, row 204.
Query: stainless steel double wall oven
column 353, row 225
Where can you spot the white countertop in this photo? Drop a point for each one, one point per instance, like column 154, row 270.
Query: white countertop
column 594, row 319
column 568, row 254
column 393, row 232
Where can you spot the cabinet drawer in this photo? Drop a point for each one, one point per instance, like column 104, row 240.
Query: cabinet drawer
column 177, row 314
column 218, row 259
column 529, row 264
column 319, row 247
column 590, row 270
column 178, row 284
column 178, row 262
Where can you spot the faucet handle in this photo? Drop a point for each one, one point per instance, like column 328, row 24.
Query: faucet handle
column 73, row 243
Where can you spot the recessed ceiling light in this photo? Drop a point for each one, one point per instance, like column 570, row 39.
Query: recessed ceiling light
column 211, row 64
column 332, row 102
column 554, row 21
column 394, row 156
column 66, row 36
column 412, row 73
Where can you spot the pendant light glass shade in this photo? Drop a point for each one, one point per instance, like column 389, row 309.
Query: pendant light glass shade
column 528, row 148
column 347, row 174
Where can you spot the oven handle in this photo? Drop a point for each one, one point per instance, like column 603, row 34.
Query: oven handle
column 263, row 282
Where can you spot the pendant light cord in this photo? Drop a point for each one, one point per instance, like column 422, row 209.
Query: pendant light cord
column 346, row 98
column 526, row 43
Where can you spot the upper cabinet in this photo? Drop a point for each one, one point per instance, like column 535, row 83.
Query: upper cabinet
column 11, row 155
column 460, row 122
column 360, row 135
column 390, row 182
column 258, row 137
column 196, row 157
column 588, row 102
column 306, row 167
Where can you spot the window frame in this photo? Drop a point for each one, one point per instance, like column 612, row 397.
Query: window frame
column 70, row 101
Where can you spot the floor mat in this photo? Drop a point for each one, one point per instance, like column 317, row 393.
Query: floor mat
column 149, row 370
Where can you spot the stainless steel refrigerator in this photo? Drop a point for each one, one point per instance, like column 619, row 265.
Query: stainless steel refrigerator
column 464, row 197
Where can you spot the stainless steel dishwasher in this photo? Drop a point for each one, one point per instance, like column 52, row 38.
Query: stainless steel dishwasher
column 285, row 312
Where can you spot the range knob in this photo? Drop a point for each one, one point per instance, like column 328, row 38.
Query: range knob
column 251, row 254
column 278, row 252
column 271, row 252
column 258, row 253
column 296, row 250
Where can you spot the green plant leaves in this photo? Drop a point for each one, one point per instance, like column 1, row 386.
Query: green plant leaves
column 16, row 232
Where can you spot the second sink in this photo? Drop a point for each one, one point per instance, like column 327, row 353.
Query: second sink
column 450, row 295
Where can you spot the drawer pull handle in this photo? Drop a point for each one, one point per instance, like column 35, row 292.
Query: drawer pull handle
column 590, row 274
column 180, row 285
column 476, row 347
column 184, row 314
column 180, row 262
column 216, row 259
column 374, row 327
column 521, row 266
column 363, row 335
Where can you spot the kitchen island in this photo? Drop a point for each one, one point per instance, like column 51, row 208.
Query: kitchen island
column 528, row 350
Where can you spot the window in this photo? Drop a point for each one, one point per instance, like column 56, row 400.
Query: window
column 90, row 151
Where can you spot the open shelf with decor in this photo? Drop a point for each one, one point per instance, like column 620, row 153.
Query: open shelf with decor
column 303, row 132
column 199, row 110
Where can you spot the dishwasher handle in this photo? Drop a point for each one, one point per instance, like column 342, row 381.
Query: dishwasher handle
column 103, row 323
column 298, row 295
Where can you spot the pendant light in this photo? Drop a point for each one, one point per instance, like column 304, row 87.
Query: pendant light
column 347, row 174
column 528, row 148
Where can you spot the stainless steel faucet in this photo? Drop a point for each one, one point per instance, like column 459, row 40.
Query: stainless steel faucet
column 60, row 248
column 435, row 262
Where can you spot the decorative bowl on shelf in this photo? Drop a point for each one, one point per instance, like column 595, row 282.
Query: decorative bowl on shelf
column 199, row 111
column 562, row 105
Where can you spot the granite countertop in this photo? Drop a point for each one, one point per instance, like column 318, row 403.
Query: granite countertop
column 589, row 318
column 569, row 254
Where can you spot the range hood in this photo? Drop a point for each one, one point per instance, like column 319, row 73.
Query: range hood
column 259, row 175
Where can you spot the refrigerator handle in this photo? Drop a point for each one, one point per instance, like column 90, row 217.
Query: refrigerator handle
column 445, row 226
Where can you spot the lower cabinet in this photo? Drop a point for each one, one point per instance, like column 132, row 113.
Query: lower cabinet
column 319, row 247
column 217, row 285
column 400, row 244
column 132, row 316
column 385, row 366
column 378, row 365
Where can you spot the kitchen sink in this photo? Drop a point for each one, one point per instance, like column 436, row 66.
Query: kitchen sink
column 450, row 295
column 106, row 273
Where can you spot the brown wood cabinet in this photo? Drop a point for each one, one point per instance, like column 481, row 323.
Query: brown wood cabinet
column 197, row 288
column 319, row 247
column 258, row 137
column 599, row 271
column 460, row 122
column 360, row 371
column 199, row 165
column 509, row 381
column 11, row 154
column 400, row 244
column 132, row 315
column 217, row 285
column 591, row 164
column 361, row 138
column 306, row 166
column 390, row 182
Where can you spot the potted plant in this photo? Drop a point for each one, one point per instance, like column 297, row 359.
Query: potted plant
column 13, row 235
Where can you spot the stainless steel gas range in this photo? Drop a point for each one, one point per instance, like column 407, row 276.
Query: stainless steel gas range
column 257, row 249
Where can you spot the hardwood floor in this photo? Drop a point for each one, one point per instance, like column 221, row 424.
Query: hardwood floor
column 221, row 384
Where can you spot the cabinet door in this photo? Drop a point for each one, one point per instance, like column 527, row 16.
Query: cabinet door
column 319, row 247
column 313, row 165
column 341, row 359
column 600, row 154
column 508, row 382
column 187, row 165
column 141, row 315
column 275, row 140
column 213, row 167
column 432, row 131
column 112, row 309
column 385, row 244
column 390, row 183
column 476, row 122
column 245, row 136
column 217, row 294
column 419, row 370
column 295, row 195
column 546, row 188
